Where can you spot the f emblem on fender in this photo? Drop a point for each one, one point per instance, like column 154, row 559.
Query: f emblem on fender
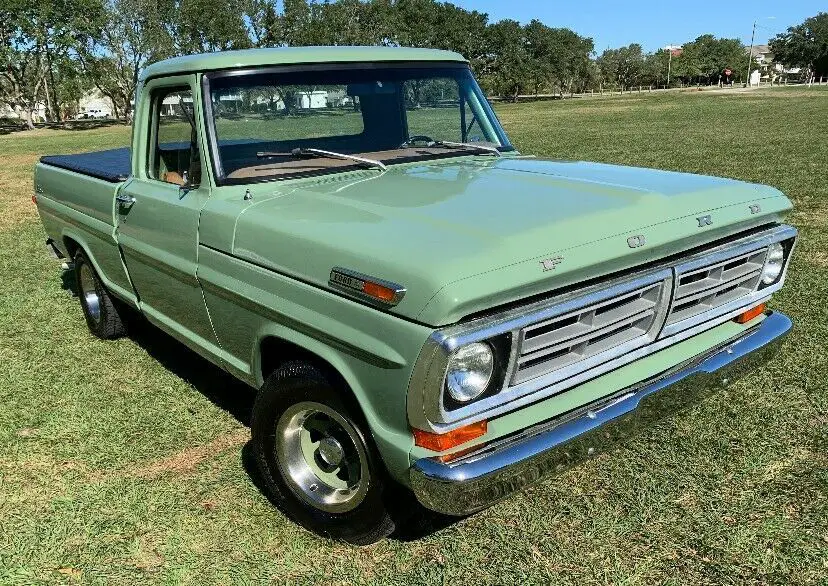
column 549, row 264
column 705, row 221
column 636, row 241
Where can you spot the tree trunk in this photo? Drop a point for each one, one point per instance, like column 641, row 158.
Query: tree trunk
column 50, row 114
column 29, row 123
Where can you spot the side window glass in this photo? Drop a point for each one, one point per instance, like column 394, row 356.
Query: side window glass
column 175, row 158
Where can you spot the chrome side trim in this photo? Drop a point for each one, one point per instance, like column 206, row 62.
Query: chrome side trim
column 481, row 478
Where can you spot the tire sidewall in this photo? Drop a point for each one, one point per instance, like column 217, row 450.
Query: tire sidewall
column 81, row 260
column 111, row 324
column 279, row 392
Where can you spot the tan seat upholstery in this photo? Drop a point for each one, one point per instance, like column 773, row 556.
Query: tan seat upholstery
column 173, row 177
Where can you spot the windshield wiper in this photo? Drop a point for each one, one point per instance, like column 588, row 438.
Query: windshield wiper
column 431, row 143
column 467, row 145
column 327, row 154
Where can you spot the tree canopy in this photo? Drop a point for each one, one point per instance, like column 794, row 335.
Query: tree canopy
column 53, row 51
column 805, row 45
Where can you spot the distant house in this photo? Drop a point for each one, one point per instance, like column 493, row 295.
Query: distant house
column 168, row 105
column 674, row 50
column 17, row 113
column 769, row 70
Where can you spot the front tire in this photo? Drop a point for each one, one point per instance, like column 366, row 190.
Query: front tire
column 99, row 308
column 316, row 458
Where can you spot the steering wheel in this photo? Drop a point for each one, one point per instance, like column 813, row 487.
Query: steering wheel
column 415, row 139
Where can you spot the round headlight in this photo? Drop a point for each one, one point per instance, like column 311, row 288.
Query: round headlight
column 773, row 263
column 469, row 371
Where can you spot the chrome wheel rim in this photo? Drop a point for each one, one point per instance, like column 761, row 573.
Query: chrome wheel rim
column 89, row 292
column 322, row 457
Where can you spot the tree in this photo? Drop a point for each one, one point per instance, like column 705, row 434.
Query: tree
column 705, row 59
column 623, row 67
column 37, row 36
column 262, row 21
column 131, row 37
column 655, row 68
column 510, row 61
column 804, row 45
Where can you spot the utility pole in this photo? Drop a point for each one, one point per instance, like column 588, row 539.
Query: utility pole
column 669, row 64
column 750, row 51
column 750, row 54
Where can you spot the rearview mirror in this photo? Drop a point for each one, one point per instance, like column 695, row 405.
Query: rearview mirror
column 371, row 88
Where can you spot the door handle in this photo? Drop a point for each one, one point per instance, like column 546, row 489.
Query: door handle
column 124, row 199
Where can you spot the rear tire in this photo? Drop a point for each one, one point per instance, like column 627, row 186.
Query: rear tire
column 101, row 311
column 316, row 458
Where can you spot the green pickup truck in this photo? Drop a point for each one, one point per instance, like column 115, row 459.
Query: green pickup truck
column 421, row 308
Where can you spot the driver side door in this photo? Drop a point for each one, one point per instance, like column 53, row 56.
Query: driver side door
column 158, row 214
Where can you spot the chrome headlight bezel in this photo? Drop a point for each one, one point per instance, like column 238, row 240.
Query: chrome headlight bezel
column 776, row 263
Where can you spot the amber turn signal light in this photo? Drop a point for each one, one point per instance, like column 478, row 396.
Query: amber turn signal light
column 440, row 442
column 745, row 317
column 378, row 291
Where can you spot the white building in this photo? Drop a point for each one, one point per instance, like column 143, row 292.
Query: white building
column 17, row 113
column 314, row 99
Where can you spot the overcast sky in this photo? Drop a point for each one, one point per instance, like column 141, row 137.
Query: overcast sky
column 652, row 23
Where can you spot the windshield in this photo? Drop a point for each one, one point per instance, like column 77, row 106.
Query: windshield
column 266, row 125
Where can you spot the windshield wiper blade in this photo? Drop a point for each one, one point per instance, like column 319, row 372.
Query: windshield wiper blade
column 466, row 145
column 320, row 153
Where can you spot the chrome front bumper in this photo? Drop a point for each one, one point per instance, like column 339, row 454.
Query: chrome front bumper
column 479, row 479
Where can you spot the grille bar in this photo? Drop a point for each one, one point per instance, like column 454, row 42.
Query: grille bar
column 705, row 289
column 587, row 332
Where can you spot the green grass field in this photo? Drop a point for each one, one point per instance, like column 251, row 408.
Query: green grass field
column 122, row 462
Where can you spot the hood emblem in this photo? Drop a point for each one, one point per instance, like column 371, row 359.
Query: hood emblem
column 636, row 241
column 550, row 264
column 754, row 208
column 705, row 221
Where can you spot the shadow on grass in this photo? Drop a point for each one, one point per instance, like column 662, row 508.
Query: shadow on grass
column 88, row 124
column 235, row 397
column 223, row 390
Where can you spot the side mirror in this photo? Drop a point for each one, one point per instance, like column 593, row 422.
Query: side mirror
column 188, row 184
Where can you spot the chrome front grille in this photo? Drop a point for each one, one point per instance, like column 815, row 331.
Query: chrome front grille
column 557, row 343
column 703, row 290
column 587, row 332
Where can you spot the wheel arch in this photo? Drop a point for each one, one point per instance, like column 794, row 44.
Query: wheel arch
column 278, row 344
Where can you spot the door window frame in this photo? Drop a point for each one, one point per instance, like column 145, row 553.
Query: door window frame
column 145, row 142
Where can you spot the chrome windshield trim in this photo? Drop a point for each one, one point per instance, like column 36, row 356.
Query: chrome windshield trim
column 425, row 397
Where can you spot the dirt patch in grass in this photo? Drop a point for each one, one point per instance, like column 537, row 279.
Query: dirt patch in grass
column 188, row 459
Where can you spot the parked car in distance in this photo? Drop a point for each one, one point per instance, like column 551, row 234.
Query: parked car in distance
column 94, row 113
column 423, row 310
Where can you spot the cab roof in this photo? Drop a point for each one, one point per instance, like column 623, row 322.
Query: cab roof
column 291, row 56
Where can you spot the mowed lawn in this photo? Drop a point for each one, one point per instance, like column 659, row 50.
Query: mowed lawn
column 123, row 462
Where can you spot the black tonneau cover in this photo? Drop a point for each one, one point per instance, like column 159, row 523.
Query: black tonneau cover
column 112, row 165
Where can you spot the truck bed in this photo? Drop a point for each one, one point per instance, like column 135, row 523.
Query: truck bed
column 112, row 165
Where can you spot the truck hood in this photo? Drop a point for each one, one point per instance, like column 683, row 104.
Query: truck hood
column 463, row 235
